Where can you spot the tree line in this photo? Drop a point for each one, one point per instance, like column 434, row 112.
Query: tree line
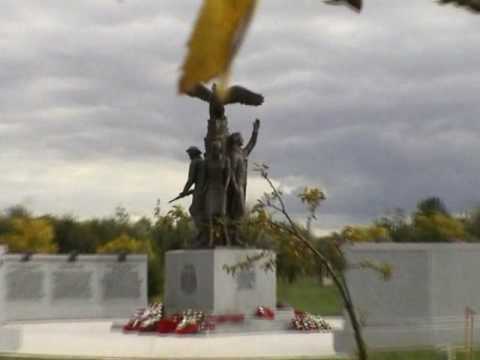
column 24, row 232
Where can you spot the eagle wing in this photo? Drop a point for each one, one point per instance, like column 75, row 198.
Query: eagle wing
column 201, row 92
column 238, row 94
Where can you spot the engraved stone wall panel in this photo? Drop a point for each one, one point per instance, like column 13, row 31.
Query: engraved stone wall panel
column 121, row 281
column 25, row 282
column 246, row 279
column 72, row 283
column 51, row 287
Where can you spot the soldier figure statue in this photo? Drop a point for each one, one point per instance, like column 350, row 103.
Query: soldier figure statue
column 196, row 176
column 220, row 180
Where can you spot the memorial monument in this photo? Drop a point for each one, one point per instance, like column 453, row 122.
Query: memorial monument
column 54, row 287
column 196, row 278
column 423, row 303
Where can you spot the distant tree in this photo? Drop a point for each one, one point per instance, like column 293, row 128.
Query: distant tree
column 174, row 230
column 125, row 244
column 472, row 224
column 18, row 211
column 437, row 227
column 291, row 260
column 371, row 233
column 432, row 205
column 29, row 235
column 121, row 215
column 74, row 236
column 398, row 226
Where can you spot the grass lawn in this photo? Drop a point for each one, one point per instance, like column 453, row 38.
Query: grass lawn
column 307, row 294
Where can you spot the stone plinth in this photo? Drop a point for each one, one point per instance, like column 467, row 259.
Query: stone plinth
column 423, row 304
column 197, row 279
column 49, row 287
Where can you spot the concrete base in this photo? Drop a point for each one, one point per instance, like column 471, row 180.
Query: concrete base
column 9, row 339
column 450, row 332
column 197, row 279
column 96, row 340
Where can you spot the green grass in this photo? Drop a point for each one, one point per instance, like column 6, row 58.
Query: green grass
column 308, row 295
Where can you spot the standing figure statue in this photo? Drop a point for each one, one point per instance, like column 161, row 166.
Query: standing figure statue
column 236, row 194
column 196, row 176
column 217, row 180
column 220, row 179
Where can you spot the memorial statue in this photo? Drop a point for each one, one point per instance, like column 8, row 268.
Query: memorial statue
column 218, row 203
column 217, row 180
column 196, row 177
column 236, row 193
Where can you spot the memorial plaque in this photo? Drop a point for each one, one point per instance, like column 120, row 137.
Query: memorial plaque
column 121, row 282
column 188, row 279
column 68, row 284
column 246, row 280
column 25, row 283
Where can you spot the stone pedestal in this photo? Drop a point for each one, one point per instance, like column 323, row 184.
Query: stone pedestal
column 423, row 304
column 197, row 279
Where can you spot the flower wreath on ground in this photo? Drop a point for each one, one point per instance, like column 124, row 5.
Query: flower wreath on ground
column 304, row 321
column 154, row 319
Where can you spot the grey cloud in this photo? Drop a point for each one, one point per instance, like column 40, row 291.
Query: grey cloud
column 380, row 108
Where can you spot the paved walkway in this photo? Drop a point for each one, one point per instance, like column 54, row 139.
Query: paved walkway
column 96, row 339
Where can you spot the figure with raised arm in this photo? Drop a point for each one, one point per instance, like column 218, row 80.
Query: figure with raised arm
column 236, row 195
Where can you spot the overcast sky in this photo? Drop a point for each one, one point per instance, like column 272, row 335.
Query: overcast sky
column 378, row 109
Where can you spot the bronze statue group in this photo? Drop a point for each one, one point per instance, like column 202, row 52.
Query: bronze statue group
column 219, row 178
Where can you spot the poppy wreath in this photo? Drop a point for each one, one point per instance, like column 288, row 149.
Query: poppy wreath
column 189, row 321
column 144, row 319
column 188, row 325
column 304, row 321
column 168, row 324
column 264, row 312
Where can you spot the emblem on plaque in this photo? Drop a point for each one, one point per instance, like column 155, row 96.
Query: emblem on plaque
column 246, row 279
column 188, row 279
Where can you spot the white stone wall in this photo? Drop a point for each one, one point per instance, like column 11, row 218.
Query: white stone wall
column 51, row 287
column 423, row 303
column 429, row 282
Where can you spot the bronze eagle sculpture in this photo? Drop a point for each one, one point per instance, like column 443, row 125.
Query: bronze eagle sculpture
column 233, row 95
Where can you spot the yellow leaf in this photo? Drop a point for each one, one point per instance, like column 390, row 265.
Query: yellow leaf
column 218, row 33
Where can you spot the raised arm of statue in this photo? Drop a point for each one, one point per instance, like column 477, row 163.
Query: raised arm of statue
column 253, row 139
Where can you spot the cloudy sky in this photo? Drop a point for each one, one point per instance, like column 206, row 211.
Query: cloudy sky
column 378, row 109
